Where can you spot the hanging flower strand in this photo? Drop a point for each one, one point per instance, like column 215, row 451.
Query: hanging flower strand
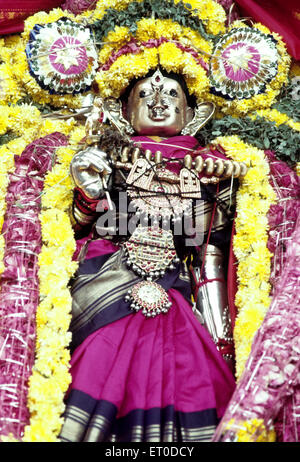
column 50, row 378
column 250, row 244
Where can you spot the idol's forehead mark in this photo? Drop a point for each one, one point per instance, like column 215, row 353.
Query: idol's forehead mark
column 167, row 85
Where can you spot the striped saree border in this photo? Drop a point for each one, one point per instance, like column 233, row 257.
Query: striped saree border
column 91, row 420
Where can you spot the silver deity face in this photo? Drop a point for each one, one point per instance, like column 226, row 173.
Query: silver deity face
column 157, row 106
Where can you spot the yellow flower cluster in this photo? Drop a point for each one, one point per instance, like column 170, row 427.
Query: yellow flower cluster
column 211, row 13
column 254, row 198
column 237, row 107
column 251, row 431
column 10, row 90
column 168, row 55
column 50, row 377
column 114, row 81
column 278, row 117
column 149, row 28
column 23, row 120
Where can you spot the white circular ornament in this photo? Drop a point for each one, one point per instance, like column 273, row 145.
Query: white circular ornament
column 62, row 57
column 244, row 61
column 149, row 297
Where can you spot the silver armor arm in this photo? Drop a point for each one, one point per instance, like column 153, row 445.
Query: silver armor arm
column 211, row 299
column 91, row 173
column 90, row 170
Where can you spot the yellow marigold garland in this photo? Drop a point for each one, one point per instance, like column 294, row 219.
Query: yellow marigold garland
column 50, row 377
column 10, row 90
column 250, row 244
column 273, row 115
column 170, row 57
column 149, row 28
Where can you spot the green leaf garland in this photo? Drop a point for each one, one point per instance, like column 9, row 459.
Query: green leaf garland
column 180, row 12
column 261, row 133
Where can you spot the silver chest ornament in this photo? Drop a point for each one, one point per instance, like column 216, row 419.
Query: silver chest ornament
column 150, row 253
column 155, row 191
column 149, row 297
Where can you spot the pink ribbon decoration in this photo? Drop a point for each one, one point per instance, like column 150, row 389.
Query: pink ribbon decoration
column 19, row 296
column 269, row 388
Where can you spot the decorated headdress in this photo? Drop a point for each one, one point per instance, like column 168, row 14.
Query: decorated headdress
column 239, row 68
column 100, row 47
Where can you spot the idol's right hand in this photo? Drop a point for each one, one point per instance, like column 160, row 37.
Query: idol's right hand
column 90, row 170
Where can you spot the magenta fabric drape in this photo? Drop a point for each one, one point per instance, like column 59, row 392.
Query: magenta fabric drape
column 13, row 14
column 281, row 16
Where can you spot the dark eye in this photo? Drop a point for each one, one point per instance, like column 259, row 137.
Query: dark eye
column 173, row 93
column 142, row 94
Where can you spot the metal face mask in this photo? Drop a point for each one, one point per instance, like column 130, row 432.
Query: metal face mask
column 157, row 106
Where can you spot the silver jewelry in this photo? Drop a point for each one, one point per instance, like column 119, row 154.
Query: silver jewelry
column 150, row 252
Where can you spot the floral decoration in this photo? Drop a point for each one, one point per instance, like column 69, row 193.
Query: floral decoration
column 262, row 99
column 180, row 37
column 62, row 57
column 50, row 378
column 250, row 244
column 244, row 60
column 50, row 310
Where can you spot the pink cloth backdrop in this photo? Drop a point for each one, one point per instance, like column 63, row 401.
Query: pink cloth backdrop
column 281, row 16
column 13, row 14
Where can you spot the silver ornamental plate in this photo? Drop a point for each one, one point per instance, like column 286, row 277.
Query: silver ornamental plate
column 161, row 198
column 151, row 251
column 149, row 297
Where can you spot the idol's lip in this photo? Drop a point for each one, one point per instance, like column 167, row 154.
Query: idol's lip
column 157, row 118
column 158, row 114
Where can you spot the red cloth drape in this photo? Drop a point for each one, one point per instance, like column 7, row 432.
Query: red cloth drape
column 281, row 16
column 13, row 13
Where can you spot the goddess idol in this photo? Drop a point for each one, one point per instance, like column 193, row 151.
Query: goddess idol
column 162, row 324
column 135, row 333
